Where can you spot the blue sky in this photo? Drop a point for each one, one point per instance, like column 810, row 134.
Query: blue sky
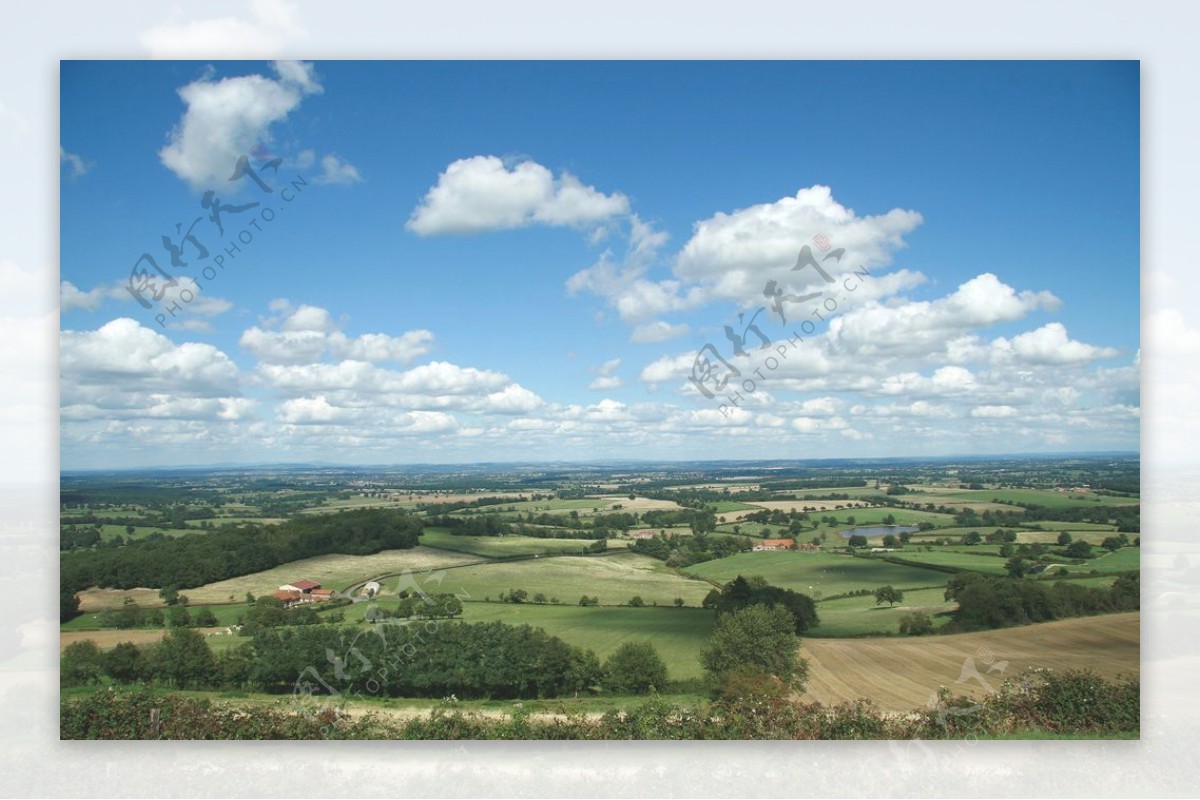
column 497, row 261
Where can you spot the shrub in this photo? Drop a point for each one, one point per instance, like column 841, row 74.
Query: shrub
column 758, row 636
column 916, row 623
column 80, row 664
column 635, row 668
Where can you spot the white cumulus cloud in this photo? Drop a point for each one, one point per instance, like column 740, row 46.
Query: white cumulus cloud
column 225, row 118
column 483, row 193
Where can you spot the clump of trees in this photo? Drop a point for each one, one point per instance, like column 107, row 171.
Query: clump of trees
column 683, row 551
column 755, row 644
column 635, row 668
column 992, row 601
column 755, row 591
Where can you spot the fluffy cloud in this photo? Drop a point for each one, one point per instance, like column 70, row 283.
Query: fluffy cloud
column 125, row 370
column 731, row 256
column 436, row 385
column 72, row 297
column 605, row 379
column 308, row 333
column 1050, row 344
column 483, row 193
column 657, row 331
column 274, row 23
column 765, row 237
column 921, row 328
column 224, row 119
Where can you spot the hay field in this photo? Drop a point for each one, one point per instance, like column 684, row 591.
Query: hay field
column 902, row 674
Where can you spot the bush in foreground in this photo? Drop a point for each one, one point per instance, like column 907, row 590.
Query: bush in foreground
column 1062, row 703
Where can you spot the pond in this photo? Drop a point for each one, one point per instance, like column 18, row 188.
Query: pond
column 878, row 530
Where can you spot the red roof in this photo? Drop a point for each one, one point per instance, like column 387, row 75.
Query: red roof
column 323, row 592
column 285, row 594
column 777, row 543
column 305, row 585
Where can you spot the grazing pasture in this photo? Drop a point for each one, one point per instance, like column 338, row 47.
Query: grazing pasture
column 500, row 546
column 817, row 574
column 860, row 616
column 679, row 634
column 614, row 578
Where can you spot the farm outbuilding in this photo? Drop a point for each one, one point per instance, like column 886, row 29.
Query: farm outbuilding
column 303, row 586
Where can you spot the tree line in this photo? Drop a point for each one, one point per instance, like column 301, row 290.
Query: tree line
column 682, row 551
column 993, row 601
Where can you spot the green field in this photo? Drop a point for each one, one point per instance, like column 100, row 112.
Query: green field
column 872, row 517
column 331, row 571
column 1055, row 525
column 679, row 634
column 990, row 565
column 817, row 574
column 1124, row 560
column 500, row 546
column 1042, row 497
column 860, row 616
column 584, row 504
column 855, row 492
column 1127, row 559
column 1098, row 582
column 110, row 532
column 358, row 502
column 219, row 521
column 614, row 578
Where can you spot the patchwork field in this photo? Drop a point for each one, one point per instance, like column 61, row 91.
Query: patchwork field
column 110, row 532
column 500, row 546
column 860, row 616
column 332, row 571
column 1043, row 497
column 902, row 674
column 614, row 578
column 817, row 574
column 987, row 564
column 586, row 505
column 1124, row 560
